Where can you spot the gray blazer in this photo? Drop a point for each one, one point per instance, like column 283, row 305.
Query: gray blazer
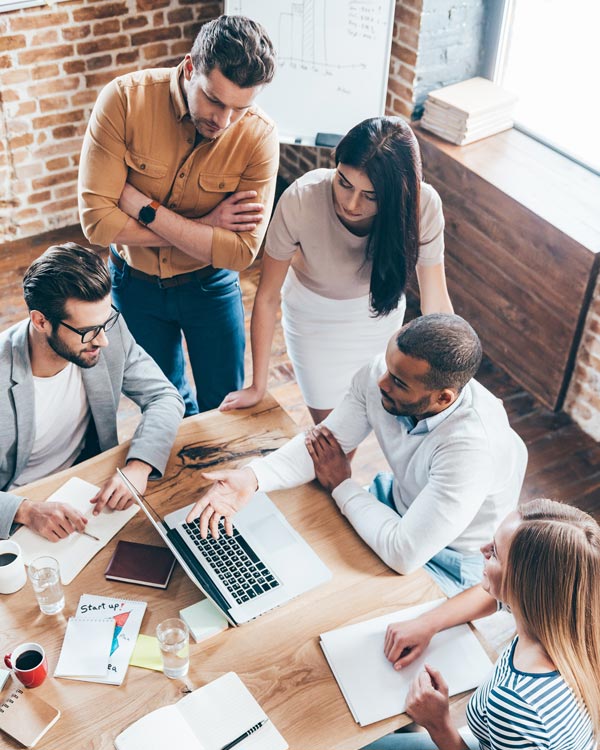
column 123, row 367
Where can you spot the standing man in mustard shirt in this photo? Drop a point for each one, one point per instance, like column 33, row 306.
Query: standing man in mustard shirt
column 177, row 169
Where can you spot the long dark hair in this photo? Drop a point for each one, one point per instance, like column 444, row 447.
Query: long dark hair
column 385, row 148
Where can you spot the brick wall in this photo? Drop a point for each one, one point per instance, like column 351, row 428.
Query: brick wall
column 53, row 63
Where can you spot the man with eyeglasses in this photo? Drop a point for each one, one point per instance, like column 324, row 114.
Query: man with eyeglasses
column 177, row 170
column 62, row 372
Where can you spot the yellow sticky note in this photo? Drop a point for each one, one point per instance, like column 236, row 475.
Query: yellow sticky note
column 147, row 654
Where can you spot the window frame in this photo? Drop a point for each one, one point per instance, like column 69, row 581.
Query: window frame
column 8, row 5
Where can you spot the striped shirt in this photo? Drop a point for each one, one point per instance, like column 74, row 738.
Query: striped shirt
column 522, row 710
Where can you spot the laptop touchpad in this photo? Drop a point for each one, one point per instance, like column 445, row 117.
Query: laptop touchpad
column 272, row 534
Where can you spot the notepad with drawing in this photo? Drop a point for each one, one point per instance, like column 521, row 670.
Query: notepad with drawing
column 75, row 552
column 373, row 689
column 126, row 616
column 25, row 717
column 207, row 719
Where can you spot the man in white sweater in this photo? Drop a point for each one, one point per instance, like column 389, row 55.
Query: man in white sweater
column 457, row 465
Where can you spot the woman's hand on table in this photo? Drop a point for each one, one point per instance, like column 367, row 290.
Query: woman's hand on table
column 242, row 399
column 405, row 641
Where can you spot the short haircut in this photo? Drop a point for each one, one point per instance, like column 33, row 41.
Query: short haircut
column 65, row 272
column 239, row 47
column 448, row 344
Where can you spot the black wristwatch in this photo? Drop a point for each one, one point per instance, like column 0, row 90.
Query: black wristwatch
column 148, row 213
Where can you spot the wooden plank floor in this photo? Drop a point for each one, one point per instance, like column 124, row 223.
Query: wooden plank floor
column 564, row 462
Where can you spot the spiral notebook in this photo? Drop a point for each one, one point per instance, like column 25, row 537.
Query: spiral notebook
column 25, row 717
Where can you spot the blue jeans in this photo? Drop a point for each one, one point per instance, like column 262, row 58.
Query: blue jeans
column 210, row 314
column 452, row 571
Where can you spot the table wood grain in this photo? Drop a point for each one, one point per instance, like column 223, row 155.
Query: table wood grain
column 277, row 655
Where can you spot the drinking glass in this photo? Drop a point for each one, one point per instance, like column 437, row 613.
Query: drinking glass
column 174, row 641
column 44, row 574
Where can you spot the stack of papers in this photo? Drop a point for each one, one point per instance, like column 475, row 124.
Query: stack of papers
column 203, row 619
column 100, row 639
column 371, row 686
column 467, row 111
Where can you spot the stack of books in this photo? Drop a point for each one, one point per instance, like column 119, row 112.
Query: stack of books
column 467, row 111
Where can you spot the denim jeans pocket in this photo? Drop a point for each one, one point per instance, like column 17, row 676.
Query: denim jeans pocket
column 220, row 284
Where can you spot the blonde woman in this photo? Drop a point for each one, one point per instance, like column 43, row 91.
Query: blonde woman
column 544, row 565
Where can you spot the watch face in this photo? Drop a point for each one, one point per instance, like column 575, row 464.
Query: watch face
column 147, row 214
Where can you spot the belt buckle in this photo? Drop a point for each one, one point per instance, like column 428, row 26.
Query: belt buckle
column 160, row 283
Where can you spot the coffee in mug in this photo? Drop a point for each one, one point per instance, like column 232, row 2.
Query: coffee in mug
column 29, row 664
column 12, row 568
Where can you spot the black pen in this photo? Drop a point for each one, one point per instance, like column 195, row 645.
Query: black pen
column 237, row 740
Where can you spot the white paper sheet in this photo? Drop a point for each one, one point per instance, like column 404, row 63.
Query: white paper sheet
column 373, row 689
column 75, row 552
column 86, row 648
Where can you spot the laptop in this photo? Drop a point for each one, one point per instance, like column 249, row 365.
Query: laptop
column 264, row 565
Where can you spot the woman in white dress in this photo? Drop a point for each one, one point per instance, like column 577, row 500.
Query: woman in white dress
column 345, row 241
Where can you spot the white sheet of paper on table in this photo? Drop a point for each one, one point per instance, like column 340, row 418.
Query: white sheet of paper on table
column 86, row 648
column 373, row 689
column 75, row 552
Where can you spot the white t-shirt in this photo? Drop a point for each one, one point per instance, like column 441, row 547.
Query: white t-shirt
column 61, row 418
column 327, row 257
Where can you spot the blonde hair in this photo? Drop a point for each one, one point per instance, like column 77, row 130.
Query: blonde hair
column 552, row 580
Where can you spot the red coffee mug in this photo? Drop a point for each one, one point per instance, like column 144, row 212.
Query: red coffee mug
column 29, row 664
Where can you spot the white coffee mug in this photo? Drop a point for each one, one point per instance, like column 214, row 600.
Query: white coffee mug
column 12, row 568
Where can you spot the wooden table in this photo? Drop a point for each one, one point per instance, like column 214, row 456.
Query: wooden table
column 277, row 656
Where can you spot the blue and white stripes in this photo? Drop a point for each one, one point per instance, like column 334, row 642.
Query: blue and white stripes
column 516, row 710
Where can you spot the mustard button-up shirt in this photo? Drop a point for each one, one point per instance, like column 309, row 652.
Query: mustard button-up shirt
column 140, row 132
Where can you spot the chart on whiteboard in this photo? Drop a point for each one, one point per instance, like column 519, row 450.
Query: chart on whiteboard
column 332, row 62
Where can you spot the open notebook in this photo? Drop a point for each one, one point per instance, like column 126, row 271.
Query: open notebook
column 75, row 552
column 207, row 719
column 373, row 689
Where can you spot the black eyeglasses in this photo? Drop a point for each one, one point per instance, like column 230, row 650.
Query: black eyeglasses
column 89, row 334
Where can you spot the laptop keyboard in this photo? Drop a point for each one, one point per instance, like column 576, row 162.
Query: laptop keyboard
column 236, row 564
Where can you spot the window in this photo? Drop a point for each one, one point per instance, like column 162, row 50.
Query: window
column 6, row 5
column 549, row 55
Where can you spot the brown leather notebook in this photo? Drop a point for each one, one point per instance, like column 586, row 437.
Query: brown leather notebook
column 145, row 564
column 26, row 717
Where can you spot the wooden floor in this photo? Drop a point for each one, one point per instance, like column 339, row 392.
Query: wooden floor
column 564, row 463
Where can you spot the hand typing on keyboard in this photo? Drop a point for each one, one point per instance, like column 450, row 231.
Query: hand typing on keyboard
column 230, row 492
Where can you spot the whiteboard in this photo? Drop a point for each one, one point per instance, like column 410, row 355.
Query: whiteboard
column 332, row 62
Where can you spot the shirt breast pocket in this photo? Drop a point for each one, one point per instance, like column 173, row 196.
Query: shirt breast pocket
column 213, row 188
column 146, row 174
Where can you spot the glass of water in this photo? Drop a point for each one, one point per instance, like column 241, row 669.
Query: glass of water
column 174, row 641
column 44, row 574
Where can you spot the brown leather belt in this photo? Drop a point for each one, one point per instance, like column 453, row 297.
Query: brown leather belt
column 179, row 280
